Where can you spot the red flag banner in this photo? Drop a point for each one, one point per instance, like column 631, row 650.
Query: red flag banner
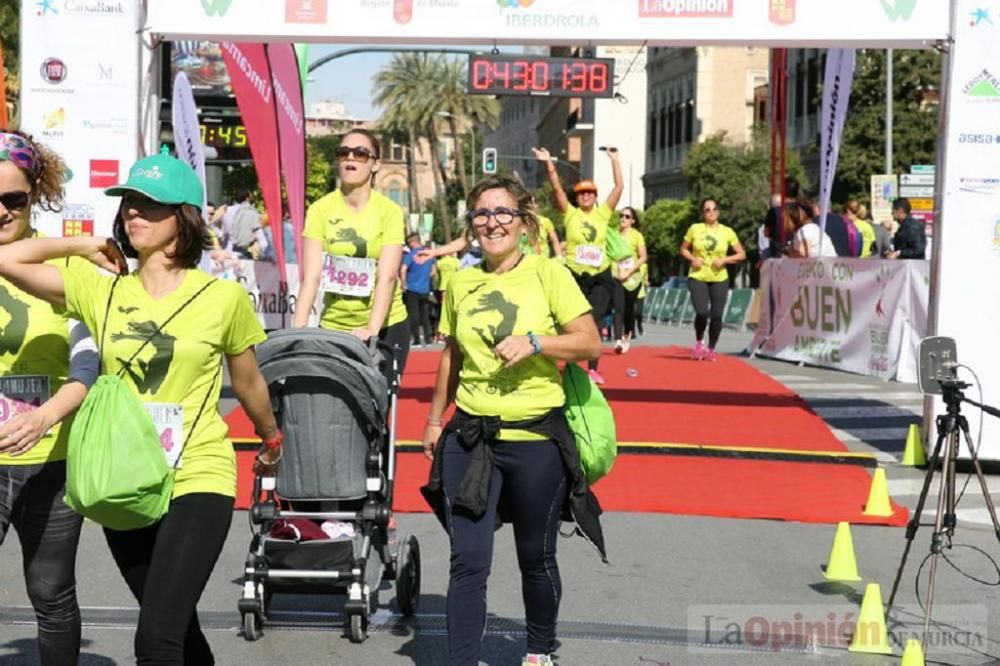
column 291, row 130
column 4, row 120
column 251, row 79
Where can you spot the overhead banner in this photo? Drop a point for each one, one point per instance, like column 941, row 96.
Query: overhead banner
column 967, row 231
column 291, row 131
column 251, row 80
column 80, row 97
column 859, row 315
column 836, row 97
column 875, row 23
column 187, row 132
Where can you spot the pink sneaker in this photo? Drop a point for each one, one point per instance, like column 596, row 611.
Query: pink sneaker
column 595, row 376
column 698, row 353
column 710, row 356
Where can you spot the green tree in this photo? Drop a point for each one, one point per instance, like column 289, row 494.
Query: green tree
column 10, row 42
column 916, row 82
column 663, row 226
column 459, row 107
column 318, row 174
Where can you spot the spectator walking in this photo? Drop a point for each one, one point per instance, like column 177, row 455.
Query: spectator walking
column 910, row 240
column 416, row 281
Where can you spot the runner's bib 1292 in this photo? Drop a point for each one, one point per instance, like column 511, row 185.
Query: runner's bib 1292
column 589, row 255
column 22, row 393
column 347, row 276
column 168, row 418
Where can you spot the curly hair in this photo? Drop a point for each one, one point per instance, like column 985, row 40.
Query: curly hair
column 48, row 178
column 524, row 199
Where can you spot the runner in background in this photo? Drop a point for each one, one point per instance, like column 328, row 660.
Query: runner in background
column 181, row 322
column 47, row 363
column 446, row 267
column 630, row 277
column 415, row 278
column 352, row 248
column 706, row 245
column 586, row 233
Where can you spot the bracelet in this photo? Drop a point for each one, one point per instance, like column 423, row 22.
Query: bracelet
column 273, row 462
column 274, row 442
column 535, row 344
column 434, row 422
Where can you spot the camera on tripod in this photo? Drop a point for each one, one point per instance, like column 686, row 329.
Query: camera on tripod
column 937, row 365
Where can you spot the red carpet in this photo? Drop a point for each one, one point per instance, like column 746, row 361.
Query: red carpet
column 675, row 400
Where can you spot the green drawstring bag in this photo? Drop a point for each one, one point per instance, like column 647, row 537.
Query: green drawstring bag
column 592, row 422
column 616, row 247
column 116, row 473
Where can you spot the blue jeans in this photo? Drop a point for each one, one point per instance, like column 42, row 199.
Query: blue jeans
column 530, row 480
column 31, row 499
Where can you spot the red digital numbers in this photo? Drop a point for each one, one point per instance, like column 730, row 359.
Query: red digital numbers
column 598, row 82
column 540, row 76
column 481, row 74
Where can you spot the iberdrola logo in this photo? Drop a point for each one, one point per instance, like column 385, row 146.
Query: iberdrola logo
column 213, row 7
column 899, row 9
column 514, row 4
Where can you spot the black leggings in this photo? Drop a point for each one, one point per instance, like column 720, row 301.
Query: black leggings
column 708, row 298
column 625, row 322
column 640, row 304
column 397, row 336
column 418, row 309
column 531, row 480
column 167, row 566
column 599, row 291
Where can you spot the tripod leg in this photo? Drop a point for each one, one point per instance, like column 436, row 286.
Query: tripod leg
column 990, row 507
column 911, row 527
column 937, row 537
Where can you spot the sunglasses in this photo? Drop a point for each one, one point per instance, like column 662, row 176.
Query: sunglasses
column 144, row 205
column 626, row 216
column 710, row 210
column 14, row 200
column 504, row 216
column 359, row 153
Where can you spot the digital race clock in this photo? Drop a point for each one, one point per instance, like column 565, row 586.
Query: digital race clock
column 506, row 74
column 224, row 135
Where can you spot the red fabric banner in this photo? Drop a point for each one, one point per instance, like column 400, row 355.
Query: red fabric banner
column 251, row 78
column 291, row 130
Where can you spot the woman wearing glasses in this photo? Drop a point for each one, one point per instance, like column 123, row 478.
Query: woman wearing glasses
column 47, row 362
column 352, row 249
column 706, row 245
column 631, row 276
column 509, row 320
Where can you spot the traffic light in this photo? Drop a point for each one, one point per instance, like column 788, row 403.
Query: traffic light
column 489, row 160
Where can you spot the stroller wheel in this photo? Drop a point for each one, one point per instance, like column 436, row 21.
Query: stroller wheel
column 359, row 628
column 252, row 629
column 408, row 575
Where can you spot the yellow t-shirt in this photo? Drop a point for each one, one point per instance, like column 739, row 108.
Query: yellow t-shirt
column 867, row 232
column 708, row 244
column 181, row 363
column 348, row 233
column 645, row 275
column 585, row 237
column 538, row 295
column 635, row 240
column 545, row 226
column 446, row 268
column 34, row 361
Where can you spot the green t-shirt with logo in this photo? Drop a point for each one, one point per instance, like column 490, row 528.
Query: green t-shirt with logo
column 348, row 233
column 538, row 295
column 545, row 227
column 34, row 361
column 635, row 241
column 707, row 244
column 181, row 363
column 586, row 234
column 446, row 268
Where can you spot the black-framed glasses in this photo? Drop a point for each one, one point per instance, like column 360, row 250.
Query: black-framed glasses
column 480, row 217
column 15, row 200
column 359, row 153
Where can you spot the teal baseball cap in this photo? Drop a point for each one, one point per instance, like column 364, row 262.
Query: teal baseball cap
column 163, row 178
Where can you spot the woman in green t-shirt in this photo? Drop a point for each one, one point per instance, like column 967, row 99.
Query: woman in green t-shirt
column 352, row 249
column 165, row 330
column 706, row 245
column 630, row 275
column 508, row 321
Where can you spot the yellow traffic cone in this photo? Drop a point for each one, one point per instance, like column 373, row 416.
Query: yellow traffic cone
column 913, row 454
column 913, row 655
column 878, row 496
column 870, row 635
column 842, row 565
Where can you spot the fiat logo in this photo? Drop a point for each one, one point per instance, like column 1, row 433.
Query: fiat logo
column 54, row 70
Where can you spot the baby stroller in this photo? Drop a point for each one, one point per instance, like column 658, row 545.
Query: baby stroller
column 335, row 401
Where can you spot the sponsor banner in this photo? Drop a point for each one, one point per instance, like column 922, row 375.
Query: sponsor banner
column 187, row 133
column 860, row 315
column 882, row 24
column 291, row 130
column 250, row 74
column 273, row 298
column 79, row 97
column 966, row 233
column 836, row 96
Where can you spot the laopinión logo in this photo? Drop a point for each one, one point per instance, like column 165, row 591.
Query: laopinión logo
column 216, row 7
column 686, row 8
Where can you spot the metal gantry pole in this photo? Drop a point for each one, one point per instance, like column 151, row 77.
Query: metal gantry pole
column 888, row 111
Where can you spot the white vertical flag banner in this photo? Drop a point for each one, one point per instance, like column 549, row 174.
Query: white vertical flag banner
column 187, row 133
column 836, row 95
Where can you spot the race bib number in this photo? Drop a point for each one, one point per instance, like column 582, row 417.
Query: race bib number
column 348, row 276
column 589, row 255
column 169, row 421
column 626, row 264
column 22, row 393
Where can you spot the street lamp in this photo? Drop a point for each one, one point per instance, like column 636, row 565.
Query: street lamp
column 472, row 132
